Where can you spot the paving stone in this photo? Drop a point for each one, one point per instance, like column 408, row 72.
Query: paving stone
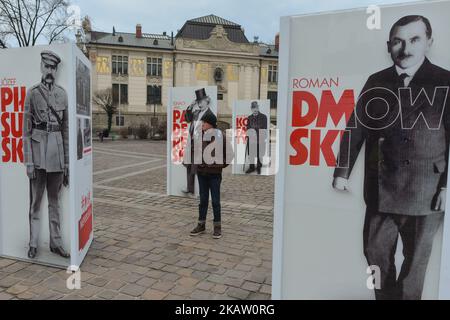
column 133, row 290
column 107, row 294
column 238, row 293
column 266, row 289
column 182, row 290
column 219, row 288
column 257, row 277
column 187, row 282
column 251, row 286
column 88, row 291
column 259, row 296
column 235, row 274
column 205, row 285
column 152, row 294
column 5, row 296
column 123, row 297
column 15, row 267
column 163, row 285
column 5, row 262
column 146, row 282
column 27, row 295
column 233, row 282
column 201, row 295
column 17, row 289
column 8, row 282
column 98, row 281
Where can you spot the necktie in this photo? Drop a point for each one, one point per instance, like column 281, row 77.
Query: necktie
column 403, row 79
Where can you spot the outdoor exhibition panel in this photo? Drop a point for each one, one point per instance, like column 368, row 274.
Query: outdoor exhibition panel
column 46, row 168
column 361, row 192
column 193, row 102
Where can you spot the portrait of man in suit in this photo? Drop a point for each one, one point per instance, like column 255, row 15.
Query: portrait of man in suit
column 256, row 138
column 402, row 118
column 194, row 113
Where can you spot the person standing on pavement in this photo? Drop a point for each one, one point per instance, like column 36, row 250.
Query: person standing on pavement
column 194, row 113
column 209, row 173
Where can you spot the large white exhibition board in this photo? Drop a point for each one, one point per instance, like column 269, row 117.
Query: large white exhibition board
column 244, row 120
column 70, row 96
column 180, row 98
column 325, row 61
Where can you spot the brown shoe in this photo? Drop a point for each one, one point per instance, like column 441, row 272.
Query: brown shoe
column 217, row 232
column 199, row 229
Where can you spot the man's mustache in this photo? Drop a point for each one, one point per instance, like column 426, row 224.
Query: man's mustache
column 404, row 56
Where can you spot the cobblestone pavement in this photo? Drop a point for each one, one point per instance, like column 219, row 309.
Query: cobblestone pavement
column 142, row 248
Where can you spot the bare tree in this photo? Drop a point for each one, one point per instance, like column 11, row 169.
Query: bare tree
column 104, row 99
column 27, row 21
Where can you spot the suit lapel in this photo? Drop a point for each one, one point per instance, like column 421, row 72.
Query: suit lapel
column 393, row 87
column 417, row 84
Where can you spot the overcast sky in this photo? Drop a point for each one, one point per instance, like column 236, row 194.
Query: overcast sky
column 257, row 17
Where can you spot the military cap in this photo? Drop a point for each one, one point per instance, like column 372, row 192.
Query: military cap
column 50, row 57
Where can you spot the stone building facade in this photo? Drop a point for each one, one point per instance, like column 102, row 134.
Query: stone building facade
column 207, row 51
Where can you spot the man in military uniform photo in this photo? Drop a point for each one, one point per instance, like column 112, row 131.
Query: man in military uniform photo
column 256, row 134
column 46, row 151
column 404, row 122
column 194, row 113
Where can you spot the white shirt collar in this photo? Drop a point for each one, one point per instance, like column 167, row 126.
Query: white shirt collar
column 410, row 71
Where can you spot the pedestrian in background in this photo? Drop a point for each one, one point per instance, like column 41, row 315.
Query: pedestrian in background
column 210, row 175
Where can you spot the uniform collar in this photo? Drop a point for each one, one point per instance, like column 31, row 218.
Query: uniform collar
column 45, row 87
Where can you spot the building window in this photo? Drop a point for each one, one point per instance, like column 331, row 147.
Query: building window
column 154, row 67
column 120, row 90
column 272, row 96
column 119, row 64
column 154, row 95
column 120, row 121
column 273, row 73
column 220, row 96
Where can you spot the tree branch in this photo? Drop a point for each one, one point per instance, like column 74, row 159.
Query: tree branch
column 29, row 20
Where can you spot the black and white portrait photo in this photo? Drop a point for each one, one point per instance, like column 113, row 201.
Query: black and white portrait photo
column 200, row 107
column 402, row 119
column 361, row 190
column 46, row 151
column 83, row 89
column 87, row 133
column 256, row 140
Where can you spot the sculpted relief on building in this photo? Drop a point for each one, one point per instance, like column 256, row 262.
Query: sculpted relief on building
column 103, row 65
column 137, row 67
column 218, row 41
column 202, row 71
column 168, row 66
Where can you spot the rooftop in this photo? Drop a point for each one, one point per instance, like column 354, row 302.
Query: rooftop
column 198, row 29
column 213, row 20
column 201, row 28
column 155, row 41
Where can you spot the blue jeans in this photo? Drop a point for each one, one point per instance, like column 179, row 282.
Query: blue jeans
column 209, row 183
